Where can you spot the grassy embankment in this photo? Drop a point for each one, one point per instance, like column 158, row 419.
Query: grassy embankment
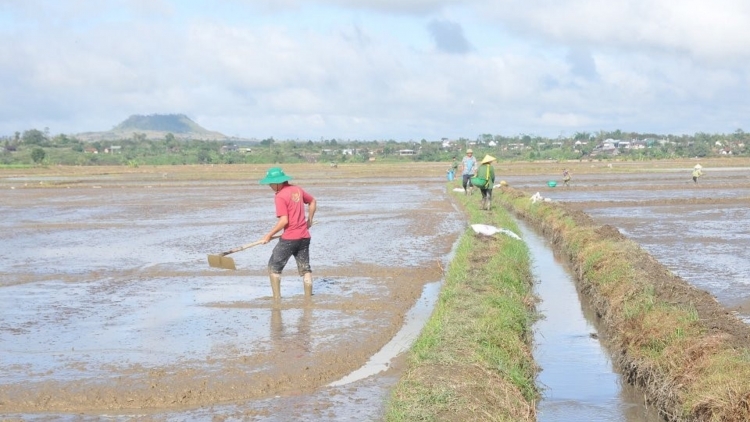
column 473, row 358
column 473, row 362
column 667, row 344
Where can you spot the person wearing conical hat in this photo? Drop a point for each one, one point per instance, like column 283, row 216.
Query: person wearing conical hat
column 697, row 172
column 290, row 201
column 486, row 172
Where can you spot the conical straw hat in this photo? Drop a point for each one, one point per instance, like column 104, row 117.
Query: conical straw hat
column 488, row 159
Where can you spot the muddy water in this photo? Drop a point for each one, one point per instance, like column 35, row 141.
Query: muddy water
column 701, row 232
column 577, row 379
column 108, row 307
column 109, row 310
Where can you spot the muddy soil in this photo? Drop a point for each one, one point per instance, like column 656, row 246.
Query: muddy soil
column 109, row 307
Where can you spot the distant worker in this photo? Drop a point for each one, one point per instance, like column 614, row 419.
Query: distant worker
column 468, row 170
column 566, row 177
column 290, row 203
column 487, row 173
column 453, row 169
column 697, row 172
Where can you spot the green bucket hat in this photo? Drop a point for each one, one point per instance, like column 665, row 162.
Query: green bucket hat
column 275, row 175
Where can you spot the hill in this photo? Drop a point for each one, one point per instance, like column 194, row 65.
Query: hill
column 155, row 126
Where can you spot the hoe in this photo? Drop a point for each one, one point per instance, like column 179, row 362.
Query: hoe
column 221, row 260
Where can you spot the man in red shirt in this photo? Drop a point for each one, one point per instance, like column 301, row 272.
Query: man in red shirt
column 290, row 203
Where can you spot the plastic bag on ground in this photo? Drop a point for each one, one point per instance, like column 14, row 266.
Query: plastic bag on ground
column 492, row 230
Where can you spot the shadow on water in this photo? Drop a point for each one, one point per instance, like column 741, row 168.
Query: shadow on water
column 577, row 379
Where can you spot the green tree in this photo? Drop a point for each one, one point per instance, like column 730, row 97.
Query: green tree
column 33, row 137
column 37, row 155
column 699, row 149
column 267, row 142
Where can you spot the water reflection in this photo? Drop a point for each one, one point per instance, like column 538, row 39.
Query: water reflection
column 288, row 339
column 577, row 377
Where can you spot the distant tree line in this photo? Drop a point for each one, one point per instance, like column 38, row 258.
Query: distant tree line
column 38, row 147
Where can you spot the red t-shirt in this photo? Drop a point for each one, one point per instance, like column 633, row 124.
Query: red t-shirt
column 290, row 201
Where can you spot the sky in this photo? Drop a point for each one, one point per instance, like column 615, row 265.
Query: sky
column 378, row 69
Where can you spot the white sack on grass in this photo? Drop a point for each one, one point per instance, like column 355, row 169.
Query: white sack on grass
column 537, row 197
column 458, row 189
column 491, row 230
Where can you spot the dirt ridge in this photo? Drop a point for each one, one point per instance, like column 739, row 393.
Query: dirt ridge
column 719, row 324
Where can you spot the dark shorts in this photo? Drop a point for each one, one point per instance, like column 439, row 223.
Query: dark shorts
column 285, row 249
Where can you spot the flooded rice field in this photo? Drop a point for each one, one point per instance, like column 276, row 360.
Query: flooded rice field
column 109, row 307
column 700, row 231
column 110, row 310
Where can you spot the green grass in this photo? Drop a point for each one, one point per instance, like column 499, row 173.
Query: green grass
column 16, row 166
column 473, row 359
column 688, row 370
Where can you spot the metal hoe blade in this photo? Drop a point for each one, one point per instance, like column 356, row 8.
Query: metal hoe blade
column 223, row 261
column 219, row 261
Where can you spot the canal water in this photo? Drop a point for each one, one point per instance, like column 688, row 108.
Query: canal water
column 577, row 378
column 698, row 231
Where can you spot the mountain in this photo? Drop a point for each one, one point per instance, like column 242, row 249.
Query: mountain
column 155, row 126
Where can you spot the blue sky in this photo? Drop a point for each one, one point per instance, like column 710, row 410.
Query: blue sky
column 378, row 69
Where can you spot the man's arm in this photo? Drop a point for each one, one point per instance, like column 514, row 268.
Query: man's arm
column 311, row 207
column 280, row 224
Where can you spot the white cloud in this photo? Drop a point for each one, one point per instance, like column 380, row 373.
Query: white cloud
column 366, row 69
column 702, row 29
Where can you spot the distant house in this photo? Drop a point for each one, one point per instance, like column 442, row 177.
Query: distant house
column 228, row 148
column 638, row 144
column 406, row 152
column 605, row 148
column 90, row 150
